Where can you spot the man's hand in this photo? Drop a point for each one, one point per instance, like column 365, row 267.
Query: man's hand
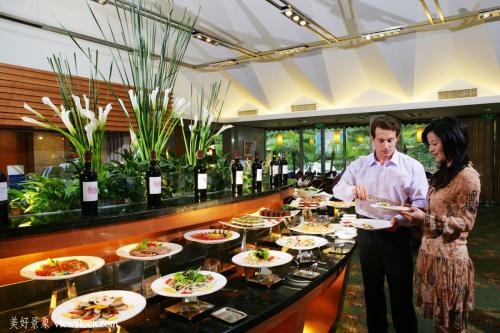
column 360, row 192
column 394, row 225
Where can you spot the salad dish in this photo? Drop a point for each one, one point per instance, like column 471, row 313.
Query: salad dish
column 61, row 268
column 99, row 309
column 148, row 250
column 191, row 283
column 211, row 236
column 262, row 258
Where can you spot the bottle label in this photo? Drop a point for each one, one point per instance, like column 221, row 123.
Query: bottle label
column 276, row 170
column 154, row 185
column 239, row 177
column 3, row 191
column 90, row 191
column 259, row 175
column 285, row 169
column 202, row 181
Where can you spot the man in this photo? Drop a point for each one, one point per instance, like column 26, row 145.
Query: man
column 391, row 176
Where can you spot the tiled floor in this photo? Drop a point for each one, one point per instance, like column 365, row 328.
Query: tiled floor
column 484, row 249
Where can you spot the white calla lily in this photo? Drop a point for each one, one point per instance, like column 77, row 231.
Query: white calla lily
column 204, row 116
column 34, row 121
column 49, row 103
column 166, row 97
column 67, row 122
column 153, row 96
column 223, row 128
column 133, row 100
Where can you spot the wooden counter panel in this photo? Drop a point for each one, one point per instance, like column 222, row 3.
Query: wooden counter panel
column 102, row 241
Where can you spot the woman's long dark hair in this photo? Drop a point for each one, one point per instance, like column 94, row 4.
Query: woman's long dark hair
column 455, row 140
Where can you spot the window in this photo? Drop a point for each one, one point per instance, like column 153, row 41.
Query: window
column 358, row 142
column 286, row 142
column 415, row 149
column 334, row 149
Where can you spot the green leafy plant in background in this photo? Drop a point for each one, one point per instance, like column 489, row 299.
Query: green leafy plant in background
column 42, row 194
column 202, row 128
column 151, row 76
column 84, row 124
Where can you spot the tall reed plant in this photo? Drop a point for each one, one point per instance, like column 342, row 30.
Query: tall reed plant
column 202, row 128
column 84, row 124
column 147, row 54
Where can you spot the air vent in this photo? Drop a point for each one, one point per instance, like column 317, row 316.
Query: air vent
column 462, row 93
column 247, row 113
column 304, row 107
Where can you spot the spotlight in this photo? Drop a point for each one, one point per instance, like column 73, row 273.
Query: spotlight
column 296, row 18
column 302, row 22
column 288, row 12
column 208, row 40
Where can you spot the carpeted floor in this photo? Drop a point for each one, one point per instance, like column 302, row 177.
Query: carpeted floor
column 483, row 245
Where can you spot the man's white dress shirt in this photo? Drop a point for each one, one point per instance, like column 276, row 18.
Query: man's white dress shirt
column 401, row 180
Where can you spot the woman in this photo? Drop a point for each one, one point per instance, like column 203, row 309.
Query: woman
column 444, row 271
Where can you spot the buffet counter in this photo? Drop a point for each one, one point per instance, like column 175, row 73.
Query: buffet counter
column 293, row 305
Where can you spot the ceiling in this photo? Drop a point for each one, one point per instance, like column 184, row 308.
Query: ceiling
column 428, row 54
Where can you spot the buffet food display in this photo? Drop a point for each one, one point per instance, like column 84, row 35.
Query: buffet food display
column 61, row 268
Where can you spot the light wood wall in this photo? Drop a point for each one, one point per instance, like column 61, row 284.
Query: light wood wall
column 21, row 84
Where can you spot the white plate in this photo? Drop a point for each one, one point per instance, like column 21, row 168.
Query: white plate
column 343, row 234
column 135, row 302
column 330, row 229
column 257, row 214
column 280, row 258
column 295, row 204
column 392, row 208
column 124, row 252
column 369, row 224
column 159, row 286
column 267, row 224
column 94, row 264
column 189, row 236
column 318, row 242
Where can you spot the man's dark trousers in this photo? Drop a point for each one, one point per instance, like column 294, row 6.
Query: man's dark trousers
column 385, row 254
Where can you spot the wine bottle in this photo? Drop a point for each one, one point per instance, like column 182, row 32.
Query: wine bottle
column 200, row 179
column 237, row 172
column 277, row 176
column 273, row 172
column 284, row 171
column 153, row 182
column 257, row 174
column 88, row 187
column 4, row 200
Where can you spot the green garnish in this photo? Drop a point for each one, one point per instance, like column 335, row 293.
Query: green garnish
column 189, row 277
column 262, row 254
column 52, row 262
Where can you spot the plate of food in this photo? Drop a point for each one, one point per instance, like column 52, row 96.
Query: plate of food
column 387, row 206
column 251, row 222
column 311, row 203
column 267, row 213
column 211, row 236
column 371, row 224
column 148, row 250
column 100, row 309
column 315, row 228
column 342, row 204
column 262, row 258
column 301, row 242
column 62, row 268
column 191, row 283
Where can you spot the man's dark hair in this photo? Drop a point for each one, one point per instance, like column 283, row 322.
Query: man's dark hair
column 387, row 123
column 455, row 140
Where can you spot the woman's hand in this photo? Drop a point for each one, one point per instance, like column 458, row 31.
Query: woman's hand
column 414, row 215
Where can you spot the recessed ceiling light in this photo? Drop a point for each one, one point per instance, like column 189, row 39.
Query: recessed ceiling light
column 288, row 12
column 367, row 37
column 208, row 40
column 303, row 22
column 296, row 18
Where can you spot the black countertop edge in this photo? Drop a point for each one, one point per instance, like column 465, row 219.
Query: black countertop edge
column 59, row 221
column 272, row 311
